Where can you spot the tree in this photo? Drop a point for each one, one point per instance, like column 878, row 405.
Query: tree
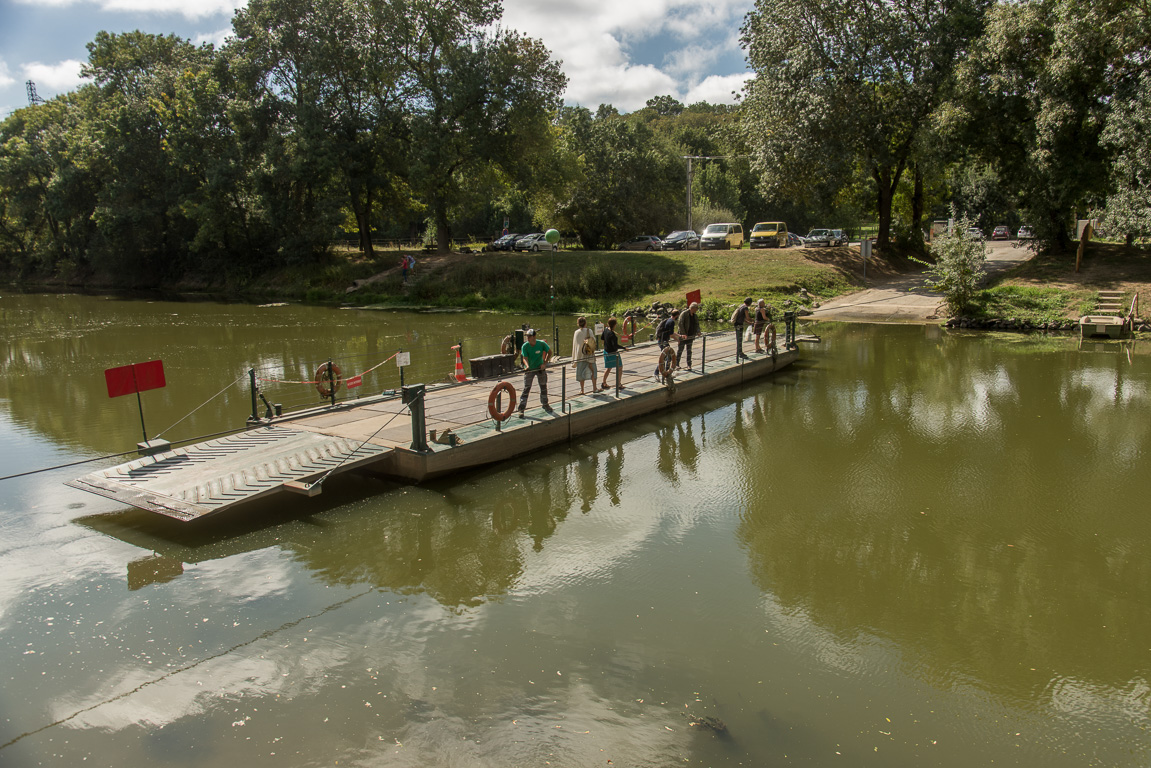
column 475, row 102
column 623, row 182
column 1036, row 94
column 1128, row 133
column 844, row 83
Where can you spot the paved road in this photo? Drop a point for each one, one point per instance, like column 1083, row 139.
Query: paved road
column 907, row 299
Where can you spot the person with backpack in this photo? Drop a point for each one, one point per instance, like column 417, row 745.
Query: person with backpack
column 611, row 351
column 664, row 333
column 688, row 330
column 764, row 324
column 739, row 318
column 583, row 353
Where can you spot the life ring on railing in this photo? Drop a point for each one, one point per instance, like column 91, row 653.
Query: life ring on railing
column 507, row 346
column 503, row 386
column 328, row 379
column 666, row 362
column 627, row 337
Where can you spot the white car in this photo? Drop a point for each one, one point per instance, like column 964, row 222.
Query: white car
column 534, row 242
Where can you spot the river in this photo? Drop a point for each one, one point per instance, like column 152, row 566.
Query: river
column 911, row 548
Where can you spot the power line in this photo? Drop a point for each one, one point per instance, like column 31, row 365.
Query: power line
column 33, row 97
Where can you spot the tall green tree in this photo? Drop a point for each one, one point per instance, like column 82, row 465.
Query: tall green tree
column 846, row 84
column 474, row 101
column 624, row 181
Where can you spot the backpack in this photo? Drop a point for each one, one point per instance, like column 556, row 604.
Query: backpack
column 589, row 345
column 739, row 316
column 665, row 329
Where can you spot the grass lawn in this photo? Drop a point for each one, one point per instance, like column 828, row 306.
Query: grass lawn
column 601, row 281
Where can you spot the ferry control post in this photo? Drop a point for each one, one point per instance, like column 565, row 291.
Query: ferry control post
column 536, row 355
column 739, row 319
column 664, row 333
column 688, row 330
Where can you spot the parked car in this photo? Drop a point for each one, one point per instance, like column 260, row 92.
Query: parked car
column 1001, row 233
column 817, row 237
column 794, row 240
column 1025, row 233
column 722, row 236
column 681, row 240
column 642, row 243
column 505, row 243
column 838, row 237
column 534, row 242
column 975, row 233
column 769, row 234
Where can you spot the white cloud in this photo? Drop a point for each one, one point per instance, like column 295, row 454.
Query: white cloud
column 717, row 89
column 191, row 9
column 216, row 38
column 591, row 37
column 63, row 76
column 5, row 78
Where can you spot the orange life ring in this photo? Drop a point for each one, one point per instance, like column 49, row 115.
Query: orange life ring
column 328, row 380
column 666, row 362
column 503, row 386
column 507, row 346
column 627, row 337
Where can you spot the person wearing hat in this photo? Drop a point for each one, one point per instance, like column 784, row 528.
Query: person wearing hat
column 536, row 355
column 740, row 319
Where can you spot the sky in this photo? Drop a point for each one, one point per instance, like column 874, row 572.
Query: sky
column 618, row 52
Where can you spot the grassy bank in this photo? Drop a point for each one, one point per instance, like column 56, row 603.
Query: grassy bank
column 599, row 281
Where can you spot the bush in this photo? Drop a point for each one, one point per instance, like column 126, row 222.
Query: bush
column 958, row 267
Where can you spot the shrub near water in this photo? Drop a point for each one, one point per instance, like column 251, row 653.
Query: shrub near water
column 958, row 267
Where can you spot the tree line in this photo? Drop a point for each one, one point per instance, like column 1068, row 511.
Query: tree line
column 426, row 118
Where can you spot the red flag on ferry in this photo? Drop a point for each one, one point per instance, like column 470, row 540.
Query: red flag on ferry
column 138, row 377
column 694, row 296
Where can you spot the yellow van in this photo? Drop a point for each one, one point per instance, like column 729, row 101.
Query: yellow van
column 722, row 236
column 769, row 234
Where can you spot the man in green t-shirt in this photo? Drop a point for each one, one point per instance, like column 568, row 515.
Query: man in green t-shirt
column 536, row 355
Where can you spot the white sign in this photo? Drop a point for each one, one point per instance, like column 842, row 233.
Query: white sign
column 403, row 358
column 599, row 329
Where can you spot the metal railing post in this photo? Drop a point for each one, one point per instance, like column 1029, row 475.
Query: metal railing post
column 563, row 389
column 331, row 382
column 413, row 397
column 255, row 417
column 703, row 354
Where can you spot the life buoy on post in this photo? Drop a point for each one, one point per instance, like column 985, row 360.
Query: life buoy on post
column 328, row 379
column 503, row 386
column 666, row 362
column 628, row 335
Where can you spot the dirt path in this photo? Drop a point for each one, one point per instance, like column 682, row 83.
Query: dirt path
column 906, row 298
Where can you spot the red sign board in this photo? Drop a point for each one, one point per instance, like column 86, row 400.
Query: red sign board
column 694, row 296
column 355, row 381
column 139, row 377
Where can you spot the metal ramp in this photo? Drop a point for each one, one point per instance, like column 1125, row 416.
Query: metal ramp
column 199, row 480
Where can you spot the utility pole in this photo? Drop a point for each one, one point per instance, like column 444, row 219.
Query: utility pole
column 33, row 97
column 689, row 158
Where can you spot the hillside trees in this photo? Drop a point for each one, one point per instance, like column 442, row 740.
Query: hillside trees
column 846, row 84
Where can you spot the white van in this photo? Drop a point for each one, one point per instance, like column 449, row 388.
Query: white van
column 722, row 236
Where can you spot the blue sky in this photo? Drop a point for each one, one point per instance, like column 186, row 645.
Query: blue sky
column 619, row 53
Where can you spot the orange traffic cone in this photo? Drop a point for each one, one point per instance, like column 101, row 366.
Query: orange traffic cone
column 460, row 375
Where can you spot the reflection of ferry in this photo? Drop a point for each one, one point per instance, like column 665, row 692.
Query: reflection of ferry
column 389, row 433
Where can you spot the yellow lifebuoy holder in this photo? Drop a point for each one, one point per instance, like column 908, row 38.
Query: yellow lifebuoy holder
column 328, row 379
column 628, row 336
column 666, row 362
column 503, row 386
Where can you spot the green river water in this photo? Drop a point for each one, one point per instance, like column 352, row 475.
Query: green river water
column 911, row 548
